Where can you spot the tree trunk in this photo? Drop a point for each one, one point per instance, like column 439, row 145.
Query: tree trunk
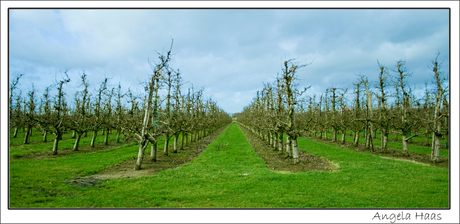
column 384, row 141
column 74, row 134
column 45, row 134
column 93, row 140
column 26, row 137
column 381, row 141
column 276, row 141
column 106, row 139
column 15, row 133
column 446, row 137
column 153, row 152
column 182, row 140
column 166, row 144
column 405, row 149
column 267, row 134
column 55, row 145
column 343, row 137
column 288, row 146
column 334, row 133
column 280, row 141
column 140, row 157
column 77, row 141
column 437, row 134
column 356, row 138
column 175, row 143
column 427, row 139
column 118, row 135
column 270, row 136
column 371, row 138
column 366, row 135
column 369, row 106
column 435, row 153
column 295, row 151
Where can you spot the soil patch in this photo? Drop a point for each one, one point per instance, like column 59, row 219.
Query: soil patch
column 85, row 181
column 389, row 153
column 150, row 167
column 279, row 162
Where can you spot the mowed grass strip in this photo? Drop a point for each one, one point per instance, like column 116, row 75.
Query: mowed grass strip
column 40, row 147
column 229, row 174
column 413, row 148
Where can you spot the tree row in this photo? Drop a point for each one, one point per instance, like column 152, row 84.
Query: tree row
column 140, row 117
column 388, row 106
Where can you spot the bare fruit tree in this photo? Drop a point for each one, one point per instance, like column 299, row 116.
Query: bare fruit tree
column 292, row 94
column 407, row 122
column 384, row 119
column 96, row 112
column 56, row 118
column 15, row 112
column 141, row 132
column 79, row 119
column 438, row 114
column 29, row 115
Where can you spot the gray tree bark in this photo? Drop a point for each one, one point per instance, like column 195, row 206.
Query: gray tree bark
column 175, row 143
column 295, row 151
column 45, row 134
column 165, row 150
column 55, row 145
column 77, row 141
column 106, row 139
column 93, row 140
column 153, row 152
column 288, row 146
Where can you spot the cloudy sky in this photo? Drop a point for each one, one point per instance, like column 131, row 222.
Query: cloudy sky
column 228, row 52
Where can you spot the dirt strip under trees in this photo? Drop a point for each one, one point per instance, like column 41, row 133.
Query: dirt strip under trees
column 149, row 167
column 280, row 162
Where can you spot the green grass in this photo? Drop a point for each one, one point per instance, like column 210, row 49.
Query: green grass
column 229, row 174
column 18, row 150
column 36, row 137
column 66, row 144
column 418, row 149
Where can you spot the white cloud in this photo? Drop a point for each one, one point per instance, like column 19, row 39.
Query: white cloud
column 224, row 51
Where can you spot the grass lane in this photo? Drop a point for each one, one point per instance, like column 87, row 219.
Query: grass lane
column 394, row 145
column 17, row 151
